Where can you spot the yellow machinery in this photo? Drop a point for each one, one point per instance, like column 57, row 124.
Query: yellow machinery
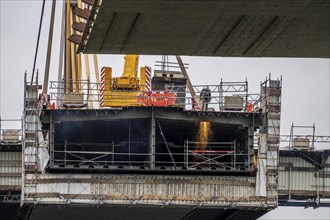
column 74, row 72
column 129, row 79
column 123, row 91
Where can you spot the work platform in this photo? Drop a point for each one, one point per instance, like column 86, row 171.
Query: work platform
column 209, row 28
column 174, row 155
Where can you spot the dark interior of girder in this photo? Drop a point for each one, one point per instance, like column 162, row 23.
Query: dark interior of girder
column 125, row 143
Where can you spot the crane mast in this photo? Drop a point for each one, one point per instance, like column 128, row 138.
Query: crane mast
column 129, row 79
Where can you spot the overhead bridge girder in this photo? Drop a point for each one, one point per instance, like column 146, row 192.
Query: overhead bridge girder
column 209, row 28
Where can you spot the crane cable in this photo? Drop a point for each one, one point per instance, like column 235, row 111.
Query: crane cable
column 36, row 52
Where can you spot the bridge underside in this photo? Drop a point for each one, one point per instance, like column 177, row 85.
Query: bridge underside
column 13, row 211
column 209, row 28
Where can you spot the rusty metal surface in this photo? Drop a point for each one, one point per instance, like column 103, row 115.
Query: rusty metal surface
column 84, row 13
column 208, row 191
column 79, row 26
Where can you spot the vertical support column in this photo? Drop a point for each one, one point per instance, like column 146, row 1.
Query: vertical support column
column 152, row 140
column 32, row 140
column 186, row 154
column 129, row 144
column 261, row 179
column 289, row 181
column 318, row 186
column 273, row 133
column 235, row 154
column 250, row 150
column 268, row 153
column 65, row 150
column 51, row 140
column 113, row 152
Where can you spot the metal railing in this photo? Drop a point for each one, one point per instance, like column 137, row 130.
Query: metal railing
column 227, row 96
column 219, row 99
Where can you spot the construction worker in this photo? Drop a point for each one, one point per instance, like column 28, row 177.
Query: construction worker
column 205, row 97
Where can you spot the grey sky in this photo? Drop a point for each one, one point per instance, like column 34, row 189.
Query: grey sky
column 305, row 97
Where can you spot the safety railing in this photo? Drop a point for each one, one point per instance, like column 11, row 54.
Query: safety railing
column 223, row 97
column 220, row 98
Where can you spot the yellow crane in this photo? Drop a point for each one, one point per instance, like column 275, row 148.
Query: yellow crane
column 123, row 91
column 129, row 79
column 75, row 15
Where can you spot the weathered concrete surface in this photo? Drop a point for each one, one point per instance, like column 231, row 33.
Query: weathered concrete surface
column 281, row 28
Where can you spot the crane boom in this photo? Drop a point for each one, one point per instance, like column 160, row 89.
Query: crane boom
column 131, row 66
column 129, row 79
column 194, row 97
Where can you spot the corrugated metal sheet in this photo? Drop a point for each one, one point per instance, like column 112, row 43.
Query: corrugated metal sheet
column 272, row 159
column 10, row 156
column 302, row 181
column 10, row 183
column 297, row 180
column 325, row 176
column 10, row 170
column 296, row 161
column 327, row 163
column 328, row 160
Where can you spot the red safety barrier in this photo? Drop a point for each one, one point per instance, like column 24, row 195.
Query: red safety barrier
column 161, row 99
column 212, row 151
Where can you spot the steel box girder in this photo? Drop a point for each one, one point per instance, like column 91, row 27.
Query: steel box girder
column 231, row 118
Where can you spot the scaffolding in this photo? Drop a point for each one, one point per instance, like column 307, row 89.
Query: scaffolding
column 33, row 137
column 268, row 150
column 148, row 139
column 216, row 156
column 302, row 142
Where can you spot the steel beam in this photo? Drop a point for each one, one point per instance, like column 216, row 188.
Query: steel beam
column 152, row 140
column 51, row 141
